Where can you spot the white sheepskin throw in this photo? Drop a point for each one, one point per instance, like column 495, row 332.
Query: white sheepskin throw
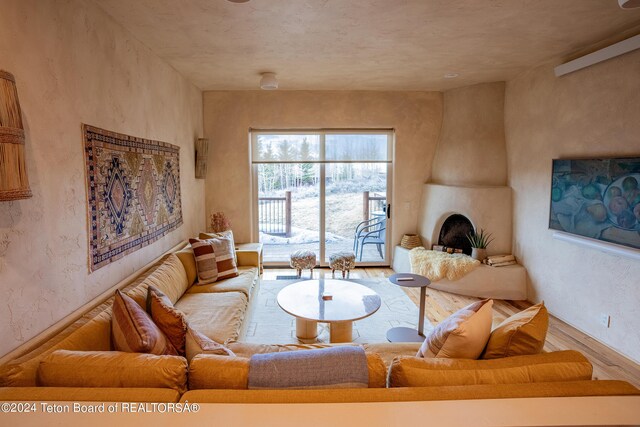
column 437, row 265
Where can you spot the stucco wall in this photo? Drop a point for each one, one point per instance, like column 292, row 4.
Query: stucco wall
column 471, row 150
column 228, row 115
column 73, row 64
column 590, row 113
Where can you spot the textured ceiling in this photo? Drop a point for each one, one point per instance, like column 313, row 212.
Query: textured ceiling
column 365, row 44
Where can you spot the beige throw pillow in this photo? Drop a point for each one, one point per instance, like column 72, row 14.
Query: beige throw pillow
column 198, row 343
column 463, row 335
column 521, row 334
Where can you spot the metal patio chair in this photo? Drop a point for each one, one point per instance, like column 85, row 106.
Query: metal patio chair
column 370, row 232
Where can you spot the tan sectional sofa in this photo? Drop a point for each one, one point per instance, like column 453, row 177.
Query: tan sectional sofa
column 88, row 369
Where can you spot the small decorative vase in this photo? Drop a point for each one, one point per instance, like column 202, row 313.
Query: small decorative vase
column 478, row 253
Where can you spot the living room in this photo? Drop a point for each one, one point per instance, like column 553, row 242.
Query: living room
column 468, row 91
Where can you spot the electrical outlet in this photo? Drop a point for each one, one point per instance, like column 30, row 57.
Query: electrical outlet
column 605, row 320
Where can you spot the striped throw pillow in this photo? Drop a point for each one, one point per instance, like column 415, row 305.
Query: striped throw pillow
column 133, row 331
column 214, row 259
column 170, row 320
column 224, row 234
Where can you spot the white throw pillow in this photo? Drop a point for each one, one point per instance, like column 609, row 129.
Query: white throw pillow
column 463, row 335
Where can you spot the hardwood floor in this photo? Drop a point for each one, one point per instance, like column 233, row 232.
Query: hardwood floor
column 607, row 364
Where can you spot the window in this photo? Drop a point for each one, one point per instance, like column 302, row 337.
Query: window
column 314, row 189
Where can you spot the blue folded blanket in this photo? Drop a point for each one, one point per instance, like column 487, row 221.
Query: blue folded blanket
column 335, row 367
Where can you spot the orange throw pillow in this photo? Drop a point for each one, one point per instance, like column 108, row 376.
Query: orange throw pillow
column 133, row 331
column 170, row 320
column 521, row 334
column 463, row 335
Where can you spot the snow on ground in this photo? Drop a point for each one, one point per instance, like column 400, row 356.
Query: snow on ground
column 298, row 236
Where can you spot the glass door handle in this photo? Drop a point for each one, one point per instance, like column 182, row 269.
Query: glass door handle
column 389, row 211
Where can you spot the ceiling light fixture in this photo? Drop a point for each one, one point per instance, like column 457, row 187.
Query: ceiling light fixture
column 629, row 4
column 238, row 1
column 451, row 75
column 269, row 81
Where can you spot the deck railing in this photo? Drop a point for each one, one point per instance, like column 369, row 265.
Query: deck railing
column 275, row 212
column 275, row 215
column 373, row 203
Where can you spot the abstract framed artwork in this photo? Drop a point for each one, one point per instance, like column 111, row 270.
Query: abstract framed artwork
column 133, row 193
column 597, row 198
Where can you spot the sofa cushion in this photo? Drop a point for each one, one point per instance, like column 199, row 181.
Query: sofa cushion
column 463, row 335
column 207, row 371
column 218, row 315
column 188, row 261
column 198, row 343
column 132, row 330
column 376, row 363
column 88, row 394
column 333, row 367
column 211, row 371
column 546, row 367
column 170, row 320
column 64, row 368
column 523, row 333
column 214, row 259
column 169, row 277
column 244, row 282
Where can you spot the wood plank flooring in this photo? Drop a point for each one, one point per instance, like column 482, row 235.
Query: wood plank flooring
column 607, row 364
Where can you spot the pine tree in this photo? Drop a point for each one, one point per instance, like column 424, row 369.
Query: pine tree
column 308, row 175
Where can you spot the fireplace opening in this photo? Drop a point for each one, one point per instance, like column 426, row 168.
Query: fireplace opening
column 454, row 231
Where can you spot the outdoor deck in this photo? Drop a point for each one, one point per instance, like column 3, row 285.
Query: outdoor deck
column 280, row 252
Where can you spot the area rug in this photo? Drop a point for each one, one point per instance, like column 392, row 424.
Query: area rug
column 269, row 324
column 133, row 190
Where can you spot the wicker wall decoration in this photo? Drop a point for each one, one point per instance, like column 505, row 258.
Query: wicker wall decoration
column 14, row 183
column 202, row 148
column 133, row 189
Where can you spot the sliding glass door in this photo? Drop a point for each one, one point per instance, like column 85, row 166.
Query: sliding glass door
column 323, row 191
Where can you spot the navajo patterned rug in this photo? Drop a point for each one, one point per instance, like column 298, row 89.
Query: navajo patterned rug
column 133, row 189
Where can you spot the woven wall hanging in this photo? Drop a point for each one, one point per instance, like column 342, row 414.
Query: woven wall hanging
column 14, row 183
column 133, row 188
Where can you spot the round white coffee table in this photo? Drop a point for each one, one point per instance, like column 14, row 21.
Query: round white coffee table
column 336, row 302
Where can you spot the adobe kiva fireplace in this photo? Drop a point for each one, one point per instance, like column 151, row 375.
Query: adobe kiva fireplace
column 468, row 190
column 454, row 232
column 449, row 212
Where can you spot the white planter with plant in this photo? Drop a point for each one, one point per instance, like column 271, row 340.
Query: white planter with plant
column 479, row 242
